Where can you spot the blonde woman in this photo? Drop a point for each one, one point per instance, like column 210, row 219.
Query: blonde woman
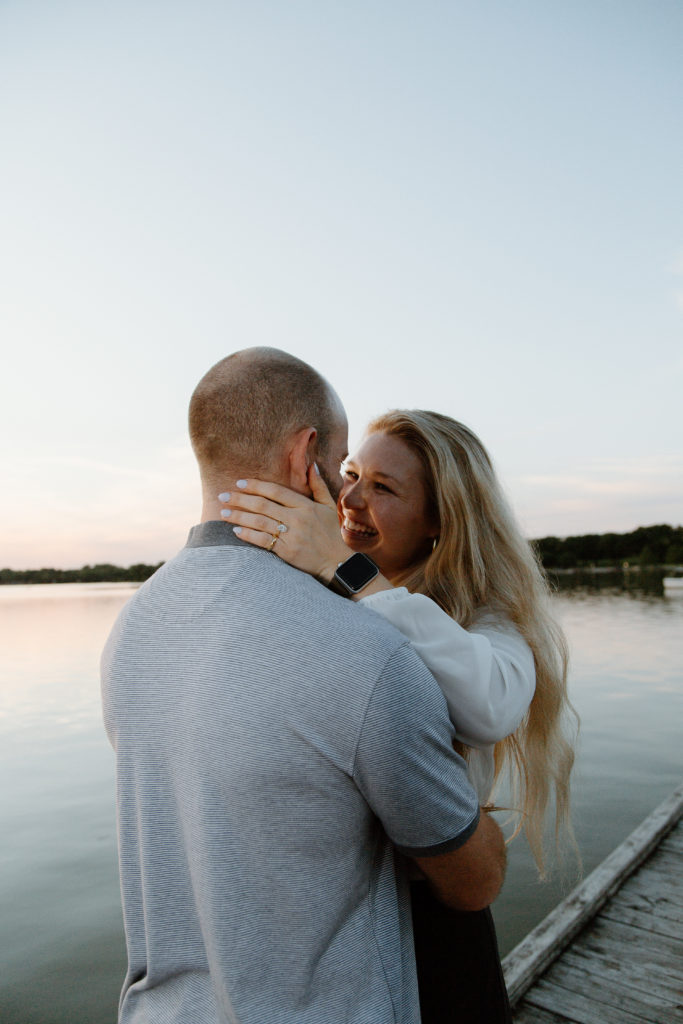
column 420, row 498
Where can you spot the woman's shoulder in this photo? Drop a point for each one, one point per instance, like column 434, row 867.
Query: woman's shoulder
column 485, row 618
column 488, row 617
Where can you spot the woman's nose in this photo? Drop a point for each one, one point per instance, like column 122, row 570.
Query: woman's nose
column 352, row 496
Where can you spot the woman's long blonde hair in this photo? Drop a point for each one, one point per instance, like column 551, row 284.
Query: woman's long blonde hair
column 482, row 561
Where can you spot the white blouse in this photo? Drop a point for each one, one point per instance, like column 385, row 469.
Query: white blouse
column 486, row 672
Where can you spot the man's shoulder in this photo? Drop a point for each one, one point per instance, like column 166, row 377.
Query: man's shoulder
column 237, row 581
column 350, row 621
column 350, row 640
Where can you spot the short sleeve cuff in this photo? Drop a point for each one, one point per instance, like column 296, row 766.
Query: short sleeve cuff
column 447, row 846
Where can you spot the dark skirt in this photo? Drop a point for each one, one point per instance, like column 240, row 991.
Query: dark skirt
column 458, row 963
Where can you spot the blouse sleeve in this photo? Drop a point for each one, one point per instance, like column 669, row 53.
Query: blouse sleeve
column 487, row 673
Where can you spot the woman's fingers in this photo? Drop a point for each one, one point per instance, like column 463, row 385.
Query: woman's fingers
column 253, row 503
column 273, row 500
column 264, row 489
column 308, row 530
column 256, row 537
column 264, row 524
column 319, row 489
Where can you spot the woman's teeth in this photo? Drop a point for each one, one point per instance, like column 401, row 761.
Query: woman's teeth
column 365, row 531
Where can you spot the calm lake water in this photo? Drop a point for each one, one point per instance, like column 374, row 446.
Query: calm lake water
column 62, row 955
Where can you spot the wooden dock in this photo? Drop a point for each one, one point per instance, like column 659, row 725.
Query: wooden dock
column 612, row 951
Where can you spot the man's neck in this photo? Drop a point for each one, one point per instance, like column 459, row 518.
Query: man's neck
column 211, row 506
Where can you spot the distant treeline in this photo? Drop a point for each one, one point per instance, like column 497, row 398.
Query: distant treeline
column 104, row 573
column 648, row 545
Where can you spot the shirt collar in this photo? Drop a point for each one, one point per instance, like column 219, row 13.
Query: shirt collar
column 212, row 534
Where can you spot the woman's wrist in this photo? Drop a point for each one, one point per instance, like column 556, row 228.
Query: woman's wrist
column 333, row 560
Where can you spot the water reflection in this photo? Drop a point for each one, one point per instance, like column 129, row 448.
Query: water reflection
column 61, row 914
column 631, row 581
column 51, row 637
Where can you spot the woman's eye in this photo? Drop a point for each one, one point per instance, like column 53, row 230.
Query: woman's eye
column 349, row 474
column 382, row 487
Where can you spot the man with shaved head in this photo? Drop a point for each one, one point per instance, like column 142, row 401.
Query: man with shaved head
column 248, row 406
column 281, row 752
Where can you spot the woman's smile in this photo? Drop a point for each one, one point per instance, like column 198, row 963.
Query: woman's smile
column 357, row 529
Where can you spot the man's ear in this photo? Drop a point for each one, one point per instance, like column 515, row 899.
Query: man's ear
column 301, row 454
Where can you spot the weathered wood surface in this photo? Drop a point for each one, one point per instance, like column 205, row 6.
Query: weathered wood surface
column 625, row 926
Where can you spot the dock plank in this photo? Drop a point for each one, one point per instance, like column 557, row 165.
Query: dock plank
column 667, row 863
column 580, row 1008
column 662, row 879
column 601, row 988
column 639, row 978
column 535, row 1015
column 644, row 900
column 673, row 843
column 639, row 894
column 612, row 952
column 622, row 943
column 645, row 920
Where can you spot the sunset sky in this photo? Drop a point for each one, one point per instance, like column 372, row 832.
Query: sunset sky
column 474, row 207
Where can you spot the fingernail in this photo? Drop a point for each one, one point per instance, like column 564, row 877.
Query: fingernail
column 315, row 467
column 241, row 483
column 237, row 530
column 226, row 512
column 225, row 496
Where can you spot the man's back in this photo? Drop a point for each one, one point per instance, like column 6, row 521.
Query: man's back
column 269, row 735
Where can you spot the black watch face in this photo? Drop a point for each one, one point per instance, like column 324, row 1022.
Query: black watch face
column 357, row 571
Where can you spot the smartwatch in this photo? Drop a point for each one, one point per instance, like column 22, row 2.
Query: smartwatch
column 353, row 574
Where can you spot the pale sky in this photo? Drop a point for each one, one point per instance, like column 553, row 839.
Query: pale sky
column 473, row 207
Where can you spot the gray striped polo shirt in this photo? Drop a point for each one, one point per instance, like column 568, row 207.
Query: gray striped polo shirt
column 276, row 746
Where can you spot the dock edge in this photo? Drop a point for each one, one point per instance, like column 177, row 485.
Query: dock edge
column 523, row 965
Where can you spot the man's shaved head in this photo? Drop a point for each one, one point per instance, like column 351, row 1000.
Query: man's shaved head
column 250, row 403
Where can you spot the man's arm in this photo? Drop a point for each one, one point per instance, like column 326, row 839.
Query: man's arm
column 415, row 782
column 470, row 877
